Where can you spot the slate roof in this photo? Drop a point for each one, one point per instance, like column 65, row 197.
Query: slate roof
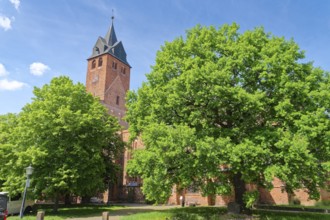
column 109, row 44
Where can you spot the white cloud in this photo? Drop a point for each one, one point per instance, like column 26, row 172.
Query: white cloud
column 11, row 85
column 5, row 22
column 3, row 71
column 16, row 3
column 38, row 69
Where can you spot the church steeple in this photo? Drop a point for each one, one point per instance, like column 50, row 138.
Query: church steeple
column 109, row 44
column 108, row 74
column 111, row 37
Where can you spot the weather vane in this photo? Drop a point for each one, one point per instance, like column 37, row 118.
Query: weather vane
column 113, row 15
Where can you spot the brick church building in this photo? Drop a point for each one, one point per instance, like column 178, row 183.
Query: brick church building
column 108, row 77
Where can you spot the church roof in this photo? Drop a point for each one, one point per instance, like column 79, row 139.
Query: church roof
column 109, row 44
column 110, row 37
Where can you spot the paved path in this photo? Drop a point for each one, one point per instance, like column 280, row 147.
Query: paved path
column 129, row 210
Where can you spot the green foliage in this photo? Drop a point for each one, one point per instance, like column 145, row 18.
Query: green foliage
column 219, row 99
column 9, row 156
column 176, row 142
column 66, row 135
column 250, row 198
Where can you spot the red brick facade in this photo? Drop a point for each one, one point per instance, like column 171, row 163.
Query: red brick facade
column 110, row 82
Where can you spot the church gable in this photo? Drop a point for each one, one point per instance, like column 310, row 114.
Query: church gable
column 100, row 47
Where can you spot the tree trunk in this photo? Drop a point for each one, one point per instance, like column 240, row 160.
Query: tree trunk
column 56, row 203
column 67, row 199
column 109, row 192
column 239, row 188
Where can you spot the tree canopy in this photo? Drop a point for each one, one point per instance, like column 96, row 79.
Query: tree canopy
column 8, row 157
column 222, row 108
column 66, row 135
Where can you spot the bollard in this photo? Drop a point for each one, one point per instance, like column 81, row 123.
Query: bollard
column 40, row 215
column 105, row 215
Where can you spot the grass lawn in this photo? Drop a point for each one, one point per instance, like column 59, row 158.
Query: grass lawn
column 273, row 215
column 187, row 213
column 212, row 213
column 74, row 211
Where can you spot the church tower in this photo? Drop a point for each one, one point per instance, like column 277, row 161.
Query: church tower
column 108, row 74
column 108, row 77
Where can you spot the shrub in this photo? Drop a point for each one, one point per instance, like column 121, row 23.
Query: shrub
column 250, row 198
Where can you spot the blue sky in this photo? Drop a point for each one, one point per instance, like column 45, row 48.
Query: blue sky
column 42, row 39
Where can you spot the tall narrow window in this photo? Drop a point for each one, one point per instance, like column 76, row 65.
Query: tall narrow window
column 93, row 64
column 100, row 61
column 123, row 70
column 114, row 65
column 117, row 100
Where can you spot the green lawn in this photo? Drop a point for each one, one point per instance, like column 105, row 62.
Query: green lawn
column 273, row 215
column 73, row 211
column 209, row 213
column 187, row 213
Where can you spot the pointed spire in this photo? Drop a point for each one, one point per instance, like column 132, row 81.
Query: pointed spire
column 110, row 37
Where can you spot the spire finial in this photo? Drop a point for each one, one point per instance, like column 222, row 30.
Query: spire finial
column 113, row 15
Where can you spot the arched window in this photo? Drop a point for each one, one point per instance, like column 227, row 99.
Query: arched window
column 100, row 61
column 93, row 64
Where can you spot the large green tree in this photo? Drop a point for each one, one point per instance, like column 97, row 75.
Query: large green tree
column 8, row 155
column 68, row 137
column 222, row 108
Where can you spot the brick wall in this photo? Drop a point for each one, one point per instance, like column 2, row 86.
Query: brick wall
column 109, row 83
